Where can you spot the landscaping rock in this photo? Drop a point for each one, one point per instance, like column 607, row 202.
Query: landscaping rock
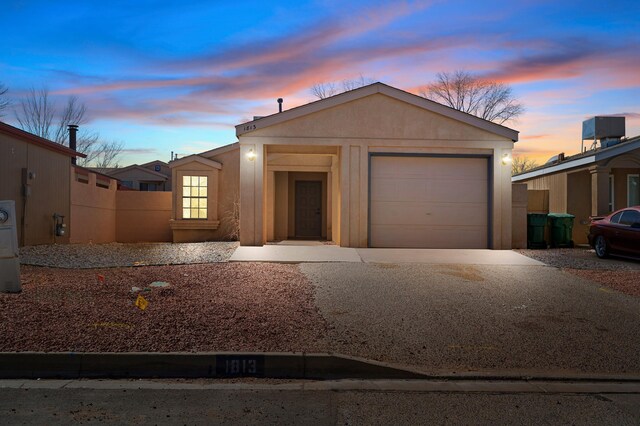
column 111, row 255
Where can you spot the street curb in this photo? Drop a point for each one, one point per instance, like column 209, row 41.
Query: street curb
column 71, row 365
column 276, row 365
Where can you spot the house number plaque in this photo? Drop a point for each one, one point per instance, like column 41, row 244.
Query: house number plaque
column 240, row 365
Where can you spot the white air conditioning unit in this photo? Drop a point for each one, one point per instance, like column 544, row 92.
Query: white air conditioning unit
column 9, row 261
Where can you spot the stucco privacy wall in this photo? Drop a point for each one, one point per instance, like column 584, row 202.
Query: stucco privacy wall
column 143, row 216
column 93, row 209
column 375, row 123
column 105, row 215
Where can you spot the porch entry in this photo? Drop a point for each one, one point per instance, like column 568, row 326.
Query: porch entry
column 308, row 209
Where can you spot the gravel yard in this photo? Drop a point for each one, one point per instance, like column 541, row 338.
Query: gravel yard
column 580, row 258
column 616, row 273
column 216, row 307
column 117, row 254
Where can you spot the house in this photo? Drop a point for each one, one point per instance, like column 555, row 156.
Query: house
column 152, row 176
column 36, row 174
column 595, row 182
column 372, row 167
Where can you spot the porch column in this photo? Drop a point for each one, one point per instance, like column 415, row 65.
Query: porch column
column 251, row 194
column 599, row 190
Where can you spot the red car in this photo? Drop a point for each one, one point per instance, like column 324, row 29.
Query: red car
column 618, row 233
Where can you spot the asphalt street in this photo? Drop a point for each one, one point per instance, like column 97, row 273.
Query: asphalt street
column 456, row 318
column 99, row 402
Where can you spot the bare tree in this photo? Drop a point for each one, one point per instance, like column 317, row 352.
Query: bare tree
column 324, row 90
column 521, row 164
column 39, row 114
column 106, row 154
column 485, row 99
column 4, row 100
column 327, row 89
column 36, row 112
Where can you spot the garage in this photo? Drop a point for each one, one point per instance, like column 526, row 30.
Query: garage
column 429, row 201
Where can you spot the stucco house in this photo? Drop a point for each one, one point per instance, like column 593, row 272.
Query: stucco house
column 152, row 176
column 602, row 179
column 372, row 167
column 36, row 174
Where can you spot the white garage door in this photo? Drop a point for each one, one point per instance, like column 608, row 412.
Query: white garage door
column 429, row 202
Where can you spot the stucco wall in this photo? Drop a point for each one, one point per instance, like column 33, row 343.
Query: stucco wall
column 93, row 210
column 376, row 123
column 143, row 216
column 49, row 189
column 223, row 201
column 620, row 185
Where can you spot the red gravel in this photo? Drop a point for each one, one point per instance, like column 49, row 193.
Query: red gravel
column 627, row 282
column 212, row 307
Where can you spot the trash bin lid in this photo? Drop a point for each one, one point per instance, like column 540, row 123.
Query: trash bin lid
column 561, row 215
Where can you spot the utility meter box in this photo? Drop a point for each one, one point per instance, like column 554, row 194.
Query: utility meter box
column 9, row 262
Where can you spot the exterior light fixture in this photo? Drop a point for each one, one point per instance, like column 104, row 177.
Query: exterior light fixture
column 506, row 159
column 251, row 155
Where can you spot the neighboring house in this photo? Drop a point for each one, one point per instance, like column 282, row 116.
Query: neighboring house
column 592, row 183
column 152, row 176
column 36, row 174
column 375, row 166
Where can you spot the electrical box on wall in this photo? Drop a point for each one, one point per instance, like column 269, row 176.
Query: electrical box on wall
column 9, row 261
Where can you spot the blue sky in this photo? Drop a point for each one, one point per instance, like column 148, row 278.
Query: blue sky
column 165, row 76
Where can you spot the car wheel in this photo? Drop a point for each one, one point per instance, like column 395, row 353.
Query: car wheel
column 602, row 250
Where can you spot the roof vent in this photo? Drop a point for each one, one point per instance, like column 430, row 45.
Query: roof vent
column 607, row 129
column 280, row 100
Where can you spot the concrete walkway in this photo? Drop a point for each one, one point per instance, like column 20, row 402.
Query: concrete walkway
column 329, row 253
column 295, row 254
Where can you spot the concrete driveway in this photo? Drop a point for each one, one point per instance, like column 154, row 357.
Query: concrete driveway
column 285, row 253
column 453, row 318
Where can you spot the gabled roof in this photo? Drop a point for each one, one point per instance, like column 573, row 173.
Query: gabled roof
column 198, row 159
column 220, row 150
column 37, row 140
column 580, row 160
column 137, row 167
column 371, row 89
column 155, row 162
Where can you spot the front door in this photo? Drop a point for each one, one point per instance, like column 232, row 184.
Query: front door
column 308, row 209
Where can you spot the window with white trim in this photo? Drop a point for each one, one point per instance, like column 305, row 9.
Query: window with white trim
column 194, row 197
column 633, row 190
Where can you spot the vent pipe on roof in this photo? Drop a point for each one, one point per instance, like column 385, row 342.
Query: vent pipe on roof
column 73, row 130
column 280, row 100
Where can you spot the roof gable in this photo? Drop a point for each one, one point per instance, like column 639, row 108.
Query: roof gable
column 195, row 158
column 376, row 88
column 37, row 140
column 140, row 169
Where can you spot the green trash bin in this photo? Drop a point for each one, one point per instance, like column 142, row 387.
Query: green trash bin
column 561, row 229
column 535, row 230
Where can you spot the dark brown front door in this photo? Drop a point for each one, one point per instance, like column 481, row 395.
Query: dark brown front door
column 309, row 209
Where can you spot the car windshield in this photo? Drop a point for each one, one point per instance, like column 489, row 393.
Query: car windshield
column 629, row 217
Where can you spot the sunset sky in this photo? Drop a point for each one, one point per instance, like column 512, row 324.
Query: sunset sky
column 165, row 76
